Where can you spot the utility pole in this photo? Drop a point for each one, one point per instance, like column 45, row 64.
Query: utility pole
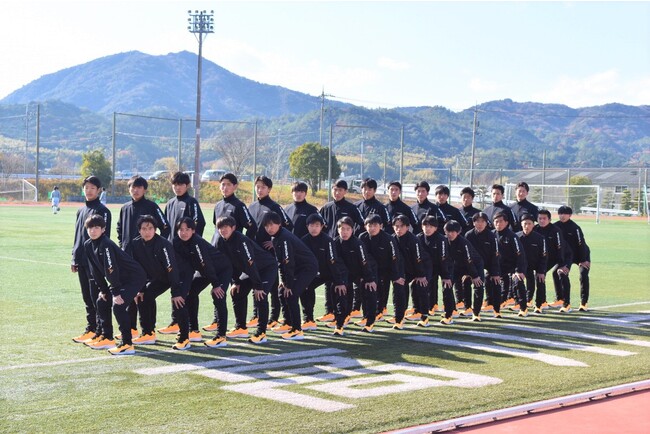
column 471, row 167
column 200, row 23
column 322, row 115
column 362, row 146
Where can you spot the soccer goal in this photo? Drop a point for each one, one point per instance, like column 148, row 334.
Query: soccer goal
column 583, row 199
column 17, row 190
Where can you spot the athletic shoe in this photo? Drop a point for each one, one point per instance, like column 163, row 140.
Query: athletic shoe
column 566, row 309
column 544, row 306
column 515, row 308
column 510, row 302
column 557, row 303
column 438, row 308
column 237, row 333
column 281, row 329
column 398, row 325
column 368, row 329
column 257, row 338
column 413, row 317
column 294, row 335
column 446, row 321
column 94, row 339
column 211, row 328
column 378, row 317
column 338, row 332
column 171, row 329
column 468, row 312
column 385, row 311
column 529, row 304
column 497, row 315
column 216, row 342
column 455, row 314
column 252, row 322
column 476, row 318
column 195, row 336
column 331, row 324
column 328, row 317
column 487, row 308
column 460, row 305
column 362, row 322
column 347, row 320
column 102, row 344
column 583, row 308
column 432, row 311
column 272, row 324
column 423, row 322
column 538, row 310
column 523, row 313
column 182, row 345
column 356, row 314
column 122, row 350
column 134, row 334
column 145, row 339
column 309, row 325
column 409, row 311
column 85, row 336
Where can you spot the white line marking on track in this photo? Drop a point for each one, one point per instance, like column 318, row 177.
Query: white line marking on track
column 57, row 363
column 614, row 306
column 33, row 261
column 580, row 335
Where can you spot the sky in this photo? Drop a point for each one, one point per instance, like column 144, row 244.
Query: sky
column 370, row 53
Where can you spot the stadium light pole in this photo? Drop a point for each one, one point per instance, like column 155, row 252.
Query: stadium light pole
column 200, row 24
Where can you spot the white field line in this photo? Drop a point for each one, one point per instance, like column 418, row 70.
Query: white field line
column 579, row 335
column 614, row 306
column 11, row 258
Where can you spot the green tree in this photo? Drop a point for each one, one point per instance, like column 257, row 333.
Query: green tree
column 626, row 199
column 94, row 163
column 578, row 196
column 309, row 163
column 166, row 163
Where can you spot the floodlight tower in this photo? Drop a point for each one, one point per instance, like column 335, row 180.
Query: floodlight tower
column 200, row 23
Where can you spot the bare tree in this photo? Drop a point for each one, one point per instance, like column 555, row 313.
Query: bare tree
column 235, row 147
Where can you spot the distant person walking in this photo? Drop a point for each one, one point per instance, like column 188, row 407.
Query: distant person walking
column 56, row 199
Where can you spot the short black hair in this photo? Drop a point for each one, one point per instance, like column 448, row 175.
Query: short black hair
column 146, row 218
column 564, row 209
column 523, row 184
column 452, row 226
column 226, row 221
column 271, row 217
column 345, row 221
column 369, row 183
column 396, row 184
column 189, row 222
column 467, row 190
column 92, row 179
column 422, row 184
column 527, row 217
column 313, row 218
column 137, row 181
column 401, row 218
column 545, row 212
column 94, row 221
column 341, row 183
column 229, row 177
column 372, row 219
column 264, row 180
column 299, row 186
column 480, row 215
column 442, row 189
column 498, row 187
column 430, row 221
column 499, row 215
column 181, row 178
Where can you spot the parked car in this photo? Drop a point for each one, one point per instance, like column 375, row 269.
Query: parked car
column 212, row 175
column 160, row 175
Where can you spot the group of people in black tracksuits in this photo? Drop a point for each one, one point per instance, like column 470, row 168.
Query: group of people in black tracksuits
column 484, row 261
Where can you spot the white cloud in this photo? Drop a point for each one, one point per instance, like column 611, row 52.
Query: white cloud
column 392, row 64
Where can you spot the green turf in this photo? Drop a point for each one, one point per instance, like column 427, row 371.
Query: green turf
column 50, row 384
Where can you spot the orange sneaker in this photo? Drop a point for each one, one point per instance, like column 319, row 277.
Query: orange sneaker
column 328, row 317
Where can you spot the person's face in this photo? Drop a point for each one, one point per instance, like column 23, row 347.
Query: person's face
column 345, row 232
column 91, row 191
column 261, row 189
column 136, row 193
column 367, row 192
column 467, row 199
column 185, row 232
column 147, row 231
column 527, row 226
column 299, row 196
column 227, row 188
column 500, row 224
column 179, row 189
column 226, row 231
column 480, row 225
column 497, row 196
column 543, row 220
column 394, row 192
column 400, row 228
column 373, row 229
column 521, row 193
column 338, row 193
column 272, row 229
column 451, row 235
column 95, row 232
column 314, row 228
column 429, row 229
column 442, row 198
column 421, row 194
column 564, row 217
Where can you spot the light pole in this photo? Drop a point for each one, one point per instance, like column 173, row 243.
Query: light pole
column 200, row 23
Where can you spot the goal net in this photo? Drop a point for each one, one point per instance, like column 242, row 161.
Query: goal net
column 17, row 190
column 583, row 199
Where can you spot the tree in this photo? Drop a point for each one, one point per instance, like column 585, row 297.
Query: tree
column 309, row 163
column 166, row 163
column 578, row 196
column 626, row 199
column 94, row 163
column 235, row 147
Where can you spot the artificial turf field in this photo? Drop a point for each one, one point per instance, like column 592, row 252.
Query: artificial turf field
column 356, row 383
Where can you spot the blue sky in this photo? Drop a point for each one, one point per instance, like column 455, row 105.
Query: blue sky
column 377, row 54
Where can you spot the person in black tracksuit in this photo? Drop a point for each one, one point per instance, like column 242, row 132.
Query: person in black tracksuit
column 254, row 269
column 183, row 205
column 513, row 263
column 498, row 206
column 117, row 275
column 212, row 268
column 557, row 258
column 335, row 210
column 580, row 254
column 450, row 212
column 331, row 272
column 390, row 268
column 522, row 206
column 417, row 275
column 79, row 262
column 396, row 206
column 298, row 268
column 441, row 266
column 370, row 205
column 468, row 209
column 231, row 206
column 536, row 257
column 468, row 264
column 424, row 207
column 486, row 244
column 300, row 209
column 362, row 270
column 157, row 257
